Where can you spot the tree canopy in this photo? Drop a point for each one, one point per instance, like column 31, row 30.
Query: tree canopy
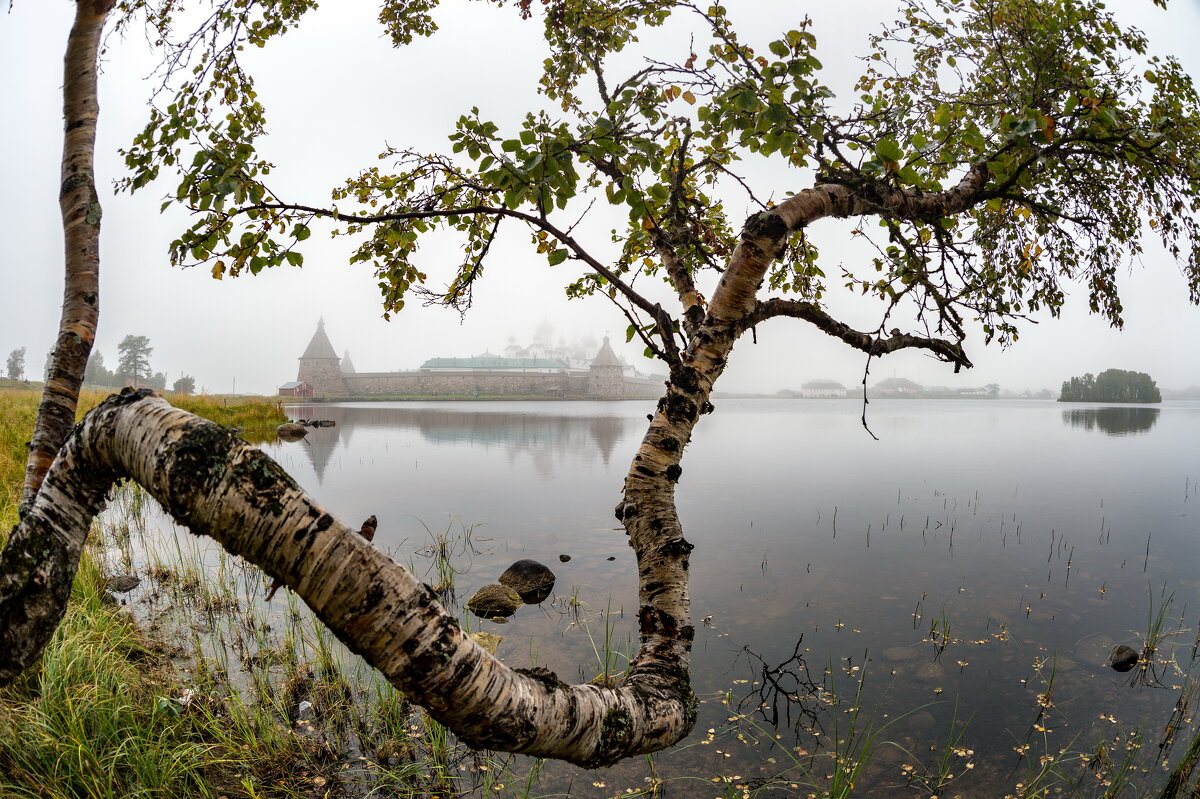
column 980, row 148
column 1111, row 385
column 184, row 385
column 96, row 373
column 15, row 366
column 133, row 358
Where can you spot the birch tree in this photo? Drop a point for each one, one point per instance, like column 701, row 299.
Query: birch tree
column 991, row 154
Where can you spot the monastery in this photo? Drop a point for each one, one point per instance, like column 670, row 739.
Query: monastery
column 324, row 374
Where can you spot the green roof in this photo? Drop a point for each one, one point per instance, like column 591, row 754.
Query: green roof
column 494, row 362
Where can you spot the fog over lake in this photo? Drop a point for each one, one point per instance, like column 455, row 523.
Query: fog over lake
column 975, row 551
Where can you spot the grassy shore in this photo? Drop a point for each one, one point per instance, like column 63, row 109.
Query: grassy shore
column 18, row 410
column 98, row 717
column 199, row 688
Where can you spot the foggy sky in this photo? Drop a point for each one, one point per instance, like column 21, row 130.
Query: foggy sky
column 337, row 94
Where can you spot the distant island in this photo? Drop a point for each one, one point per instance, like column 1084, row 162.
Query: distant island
column 1111, row 385
column 893, row 388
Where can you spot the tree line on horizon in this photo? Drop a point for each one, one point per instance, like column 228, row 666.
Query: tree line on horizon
column 133, row 368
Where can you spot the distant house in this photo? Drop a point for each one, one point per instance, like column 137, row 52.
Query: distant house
column 897, row 387
column 823, row 388
column 296, row 388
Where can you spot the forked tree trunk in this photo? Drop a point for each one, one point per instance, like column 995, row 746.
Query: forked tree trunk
column 80, row 208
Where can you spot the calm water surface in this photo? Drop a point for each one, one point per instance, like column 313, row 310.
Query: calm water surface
column 975, row 552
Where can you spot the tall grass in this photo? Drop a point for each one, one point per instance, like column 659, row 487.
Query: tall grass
column 100, row 715
column 247, row 413
column 18, row 411
column 87, row 721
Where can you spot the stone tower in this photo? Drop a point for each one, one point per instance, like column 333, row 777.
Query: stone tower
column 606, row 379
column 321, row 367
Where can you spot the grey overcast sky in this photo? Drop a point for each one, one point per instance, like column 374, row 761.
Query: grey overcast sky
column 337, row 94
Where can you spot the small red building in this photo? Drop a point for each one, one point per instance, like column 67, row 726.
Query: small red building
column 296, row 388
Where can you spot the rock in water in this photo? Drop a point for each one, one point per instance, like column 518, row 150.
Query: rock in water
column 494, row 600
column 564, row 558
column 532, row 580
column 121, row 583
column 291, row 431
column 1122, row 658
column 488, row 641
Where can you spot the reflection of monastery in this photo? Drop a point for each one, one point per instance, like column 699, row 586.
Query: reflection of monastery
column 323, row 374
column 545, row 438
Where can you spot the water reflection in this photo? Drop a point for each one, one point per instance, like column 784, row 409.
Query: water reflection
column 1119, row 420
column 543, row 435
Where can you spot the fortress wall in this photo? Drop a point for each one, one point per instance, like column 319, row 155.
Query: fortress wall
column 483, row 383
column 465, row 383
column 642, row 388
column 321, row 368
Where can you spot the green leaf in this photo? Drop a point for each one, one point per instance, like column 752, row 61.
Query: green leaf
column 557, row 257
column 888, row 150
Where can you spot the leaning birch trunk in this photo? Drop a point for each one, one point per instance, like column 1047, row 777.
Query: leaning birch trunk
column 219, row 486
column 80, row 208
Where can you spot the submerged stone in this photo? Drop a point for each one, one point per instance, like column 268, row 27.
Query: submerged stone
column 897, row 654
column 488, row 641
column 532, row 580
column 121, row 583
column 1122, row 658
column 931, row 671
column 494, row 600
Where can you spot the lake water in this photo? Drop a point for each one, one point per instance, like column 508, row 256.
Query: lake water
column 976, row 563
